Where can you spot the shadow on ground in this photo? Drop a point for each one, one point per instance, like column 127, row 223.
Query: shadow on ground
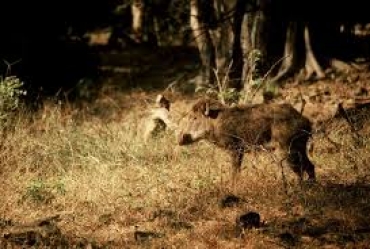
column 336, row 214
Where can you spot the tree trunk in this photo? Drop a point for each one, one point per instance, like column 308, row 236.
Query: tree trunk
column 312, row 66
column 137, row 11
column 236, row 70
column 246, row 40
column 203, row 41
column 260, row 38
column 298, row 53
column 255, row 40
column 143, row 22
column 290, row 57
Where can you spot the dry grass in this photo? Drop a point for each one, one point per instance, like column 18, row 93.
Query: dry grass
column 105, row 183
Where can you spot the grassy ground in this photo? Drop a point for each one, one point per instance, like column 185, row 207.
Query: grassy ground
column 91, row 167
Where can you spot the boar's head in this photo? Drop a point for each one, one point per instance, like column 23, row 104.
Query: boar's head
column 199, row 122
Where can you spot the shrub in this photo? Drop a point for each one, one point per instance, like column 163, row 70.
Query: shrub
column 10, row 95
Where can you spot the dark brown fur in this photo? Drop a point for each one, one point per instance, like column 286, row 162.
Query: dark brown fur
column 241, row 128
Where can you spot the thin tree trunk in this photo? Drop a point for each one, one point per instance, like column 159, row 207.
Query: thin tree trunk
column 143, row 22
column 290, row 56
column 255, row 44
column 137, row 11
column 312, row 66
column 246, row 37
column 204, row 42
column 298, row 52
column 260, row 40
column 236, row 72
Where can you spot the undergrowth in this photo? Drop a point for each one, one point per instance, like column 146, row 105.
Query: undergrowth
column 106, row 183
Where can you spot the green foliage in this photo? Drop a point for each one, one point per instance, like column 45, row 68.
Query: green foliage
column 269, row 91
column 252, row 75
column 224, row 94
column 10, row 94
column 38, row 191
column 229, row 95
column 255, row 80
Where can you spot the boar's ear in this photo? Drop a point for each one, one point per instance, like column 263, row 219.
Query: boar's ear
column 212, row 108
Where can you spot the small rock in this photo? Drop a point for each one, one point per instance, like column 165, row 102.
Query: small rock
column 142, row 236
column 230, row 201
column 288, row 239
column 163, row 213
column 249, row 220
column 178, row 225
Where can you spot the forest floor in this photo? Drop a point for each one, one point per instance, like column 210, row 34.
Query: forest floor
column 80, row 176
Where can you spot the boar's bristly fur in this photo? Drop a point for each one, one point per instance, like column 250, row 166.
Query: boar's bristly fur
column 241, row 128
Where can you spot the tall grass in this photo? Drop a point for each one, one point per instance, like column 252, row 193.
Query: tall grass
column 104, row 181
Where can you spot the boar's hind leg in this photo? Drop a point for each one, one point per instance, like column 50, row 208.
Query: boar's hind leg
column 298, row 158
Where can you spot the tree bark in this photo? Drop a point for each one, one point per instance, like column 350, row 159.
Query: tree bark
column 260, row 37
column 312, row 65
column 255, row 36
column 295, row 55
column 290, row 56
column 246, row 37
column 143, row 22
column 137, row 11
column 203, row 41
column 236, row 71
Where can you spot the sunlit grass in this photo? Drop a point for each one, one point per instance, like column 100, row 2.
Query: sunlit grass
column 103, row 180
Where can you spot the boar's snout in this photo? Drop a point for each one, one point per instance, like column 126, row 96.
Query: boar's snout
column 185, row 139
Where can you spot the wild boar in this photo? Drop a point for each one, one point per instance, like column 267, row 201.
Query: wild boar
column 239, row 129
